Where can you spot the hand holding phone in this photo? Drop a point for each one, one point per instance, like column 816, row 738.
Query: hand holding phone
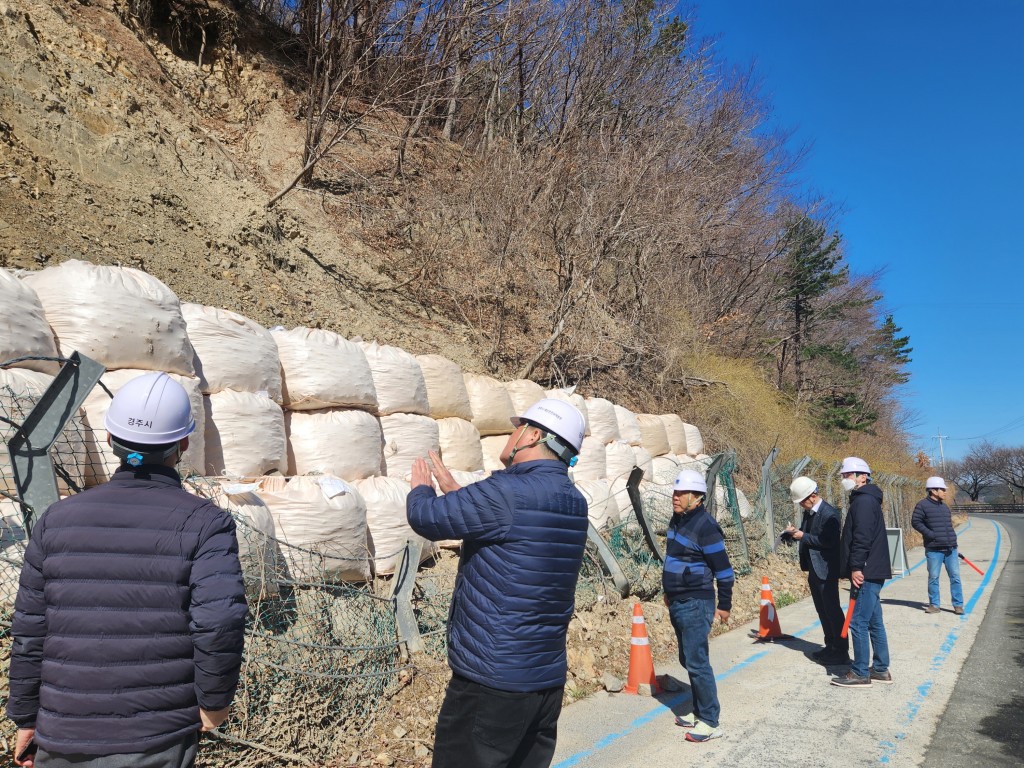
column 25, row 747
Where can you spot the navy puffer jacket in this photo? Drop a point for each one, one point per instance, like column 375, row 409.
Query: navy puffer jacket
column 934, row 520
column 523, row 532
column 130, row 616
column 864, row 545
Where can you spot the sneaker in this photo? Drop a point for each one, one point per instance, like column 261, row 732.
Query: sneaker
column 932, row 609
column 958, row 610
column 686, row 721
column 703, row 732
column 881, row 677
column 850, row 680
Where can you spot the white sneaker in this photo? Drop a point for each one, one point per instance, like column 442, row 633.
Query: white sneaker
column 686, row 721
column 703, row 732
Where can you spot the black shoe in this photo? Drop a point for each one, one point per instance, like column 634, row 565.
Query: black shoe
column 834, row 659
column 881, row 677
column 821, row 654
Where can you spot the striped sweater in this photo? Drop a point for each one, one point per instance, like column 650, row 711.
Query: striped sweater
column 695, row 557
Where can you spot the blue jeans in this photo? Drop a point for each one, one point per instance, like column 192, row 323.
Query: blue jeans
column 869, row 640
column 936, row 559
column 692, row 620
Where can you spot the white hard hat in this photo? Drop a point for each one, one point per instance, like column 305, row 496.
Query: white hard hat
column 801, row 488
column 854, row 464
column 690, row 480
column 935, row 482
column 558, row 418
column 152, row 409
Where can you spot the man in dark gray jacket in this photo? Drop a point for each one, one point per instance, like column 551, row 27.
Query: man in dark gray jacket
column 864, row 559
column 818, row 539
column 130, row 615
column 934, row 520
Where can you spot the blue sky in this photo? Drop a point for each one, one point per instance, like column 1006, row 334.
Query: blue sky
column 915, row 115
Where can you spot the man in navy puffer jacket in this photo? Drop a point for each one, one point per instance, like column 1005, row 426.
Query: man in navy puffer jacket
column 934, row 520
column 864, row 560
column 523, row 532
column 130, row 615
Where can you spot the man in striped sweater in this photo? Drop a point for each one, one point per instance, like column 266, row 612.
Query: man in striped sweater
column 695, row 558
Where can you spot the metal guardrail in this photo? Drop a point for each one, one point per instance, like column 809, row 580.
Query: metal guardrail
column 988, row 509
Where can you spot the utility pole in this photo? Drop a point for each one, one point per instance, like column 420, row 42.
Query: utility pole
column 942, row 458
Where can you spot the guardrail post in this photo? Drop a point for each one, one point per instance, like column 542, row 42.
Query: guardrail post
column 401, row 593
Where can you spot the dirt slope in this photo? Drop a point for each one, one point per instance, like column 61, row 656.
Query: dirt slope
column 114, row 150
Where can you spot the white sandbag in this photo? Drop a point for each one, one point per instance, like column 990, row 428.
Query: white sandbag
column 694, row 441
column 722, row 511
column 20, row 390
column 665, row 469
column 676, row 431
column 652, row 434
column 321, row 524
column 603, row 423
column 118, row 316
column 245, row 435
column 446, row 389
column 491, row 404
column 387, row 522
column 644, row 460
column 468, row 478
column 460, row 445
column 254, row 529
column 491, row 447
column 407, row 437
column 600, row 508
column 629, row 427
column 699, row 463
column 577, row 401
column 321, row 369
column 592, row 464
column 345, row 442
column 619, row 459
column 23, row 327
column 620, row 498
column 523, row 394
column 102, row 461
column 232, row 352
column 398, row 380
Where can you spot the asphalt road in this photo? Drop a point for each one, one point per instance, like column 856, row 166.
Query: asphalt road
column 983, row 725
column 779, row 711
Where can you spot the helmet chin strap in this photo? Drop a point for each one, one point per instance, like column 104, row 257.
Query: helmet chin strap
column 565, row 454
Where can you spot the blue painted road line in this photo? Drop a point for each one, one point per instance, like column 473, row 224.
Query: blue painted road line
column 914, row 705
column 888, row 747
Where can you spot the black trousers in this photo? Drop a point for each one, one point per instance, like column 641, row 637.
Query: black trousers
column 481, row 727
column 825, row 594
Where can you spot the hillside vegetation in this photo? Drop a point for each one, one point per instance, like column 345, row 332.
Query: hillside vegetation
column 577, row 193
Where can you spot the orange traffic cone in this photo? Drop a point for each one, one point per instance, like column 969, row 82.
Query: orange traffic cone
column 770, row 629
column 641, row 665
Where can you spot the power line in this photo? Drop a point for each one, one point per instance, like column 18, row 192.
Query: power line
column 997, row 431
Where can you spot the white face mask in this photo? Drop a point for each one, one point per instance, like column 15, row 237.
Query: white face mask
column 848, row 483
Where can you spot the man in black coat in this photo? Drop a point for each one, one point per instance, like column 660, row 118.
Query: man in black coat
column 864, row 559
column 130, row 616
column 818, row 539
column 934, row 520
